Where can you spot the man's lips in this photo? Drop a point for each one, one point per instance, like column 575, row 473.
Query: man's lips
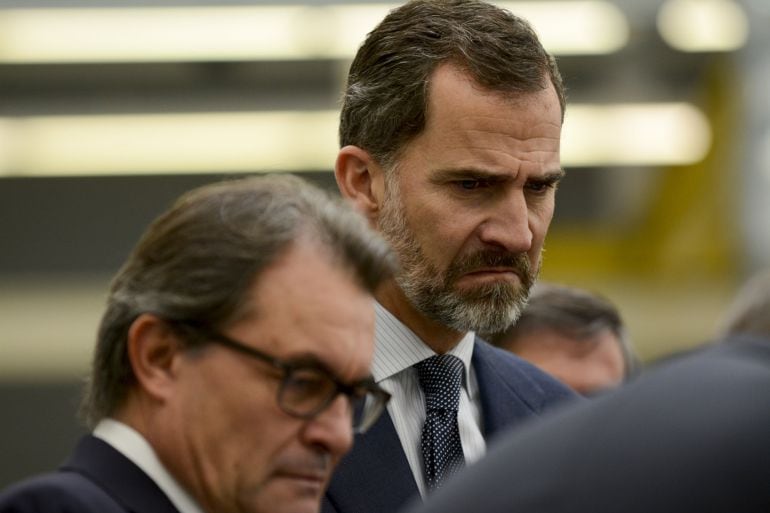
column 493, row 271
column 310, row 471
column 304, row 475
column 492, row 274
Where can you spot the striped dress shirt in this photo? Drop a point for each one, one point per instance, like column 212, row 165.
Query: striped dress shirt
column 397, row 349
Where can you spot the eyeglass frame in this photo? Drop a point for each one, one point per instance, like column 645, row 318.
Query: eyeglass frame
column 287, row 367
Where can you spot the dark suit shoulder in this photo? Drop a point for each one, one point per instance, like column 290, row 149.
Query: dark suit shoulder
column 537, row 388
column 511, row 390
column 58, row 492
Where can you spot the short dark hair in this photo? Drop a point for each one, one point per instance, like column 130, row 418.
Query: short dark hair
column 198, row 260
column 385, row 101
column 574, row 312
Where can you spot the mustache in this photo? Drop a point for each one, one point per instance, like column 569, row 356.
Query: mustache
column 518, row 262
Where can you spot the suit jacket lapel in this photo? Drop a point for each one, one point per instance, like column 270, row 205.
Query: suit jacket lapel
column 375, row 476
column 506, row 392
column 119, row 476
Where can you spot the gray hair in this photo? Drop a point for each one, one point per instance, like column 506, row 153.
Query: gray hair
column 574, row 312
column 749, row 313
column 385, row 101
column 198, row 260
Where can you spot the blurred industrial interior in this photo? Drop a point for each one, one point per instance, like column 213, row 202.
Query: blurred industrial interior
column 666, row 146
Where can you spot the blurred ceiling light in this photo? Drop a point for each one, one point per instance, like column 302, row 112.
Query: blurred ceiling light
column 266, row 32
column 171, row 143
column 703, row 25
column 149, row 34
column 575, row 27
column 607, row 135
column 353, row 22
column 635, row 134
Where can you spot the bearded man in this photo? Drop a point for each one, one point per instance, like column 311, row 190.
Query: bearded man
column 450, row 132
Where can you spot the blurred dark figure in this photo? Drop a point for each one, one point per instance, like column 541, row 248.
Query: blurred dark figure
column 691, row 434
column 575, row 335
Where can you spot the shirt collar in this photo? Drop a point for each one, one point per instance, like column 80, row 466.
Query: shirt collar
column 131, row 444
column 398, row 348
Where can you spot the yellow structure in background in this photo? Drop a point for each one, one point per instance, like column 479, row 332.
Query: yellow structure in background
column 674, row 271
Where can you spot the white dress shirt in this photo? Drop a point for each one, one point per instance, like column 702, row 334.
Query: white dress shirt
column 133, row 446
column 397, row 349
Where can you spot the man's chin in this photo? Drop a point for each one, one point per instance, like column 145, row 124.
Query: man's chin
column 289, row 495
column 479, row 315
column 293, row 505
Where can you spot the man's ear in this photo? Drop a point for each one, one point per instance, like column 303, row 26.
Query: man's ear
column 152, row 350
column 361, row 180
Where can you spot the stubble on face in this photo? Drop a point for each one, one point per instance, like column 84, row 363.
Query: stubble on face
column 487, row 308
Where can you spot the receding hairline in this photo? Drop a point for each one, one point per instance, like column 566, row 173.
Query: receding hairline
column 513, row 97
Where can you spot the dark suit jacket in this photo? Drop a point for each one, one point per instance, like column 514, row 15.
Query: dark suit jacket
column 375, row 476
column 690, row 435
column 96, row 479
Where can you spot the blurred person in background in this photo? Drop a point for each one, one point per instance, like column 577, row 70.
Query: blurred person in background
column 689, row 434
column 232, row 361
column 573, row 334
column 450, row 136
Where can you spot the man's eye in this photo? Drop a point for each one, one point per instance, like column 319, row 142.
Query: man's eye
column 470, row 185
column 540, row 186
column 304, row 385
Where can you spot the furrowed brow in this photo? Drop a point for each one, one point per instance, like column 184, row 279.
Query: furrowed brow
column 551, row 177
column 448, row 175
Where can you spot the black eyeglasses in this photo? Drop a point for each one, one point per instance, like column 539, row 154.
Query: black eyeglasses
column 307, row 388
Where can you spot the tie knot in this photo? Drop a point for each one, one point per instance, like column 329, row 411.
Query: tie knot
column 440, row 378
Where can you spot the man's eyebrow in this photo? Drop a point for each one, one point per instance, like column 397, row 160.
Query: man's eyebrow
column 313, row 361
column 550, row 176
column 449, row 174
column 306, row 359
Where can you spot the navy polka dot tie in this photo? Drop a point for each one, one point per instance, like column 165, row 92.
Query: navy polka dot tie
column 440, row 378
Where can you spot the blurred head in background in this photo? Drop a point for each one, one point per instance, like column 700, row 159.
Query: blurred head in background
column 573, row 334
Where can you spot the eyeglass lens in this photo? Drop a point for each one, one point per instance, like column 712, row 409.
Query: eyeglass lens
column 305, row 392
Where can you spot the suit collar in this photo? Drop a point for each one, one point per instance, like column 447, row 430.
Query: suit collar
column 124, row 481
column 375, row 476
column 507, row 394
column 398, row 348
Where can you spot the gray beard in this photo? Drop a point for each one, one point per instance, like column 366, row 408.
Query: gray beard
column 491, row 309
column 487, row 309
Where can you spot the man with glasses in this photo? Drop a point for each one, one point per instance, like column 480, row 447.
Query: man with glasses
column 232, row 362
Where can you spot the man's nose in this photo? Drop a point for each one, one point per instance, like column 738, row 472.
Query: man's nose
column 332, row 429
column 507, row 224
